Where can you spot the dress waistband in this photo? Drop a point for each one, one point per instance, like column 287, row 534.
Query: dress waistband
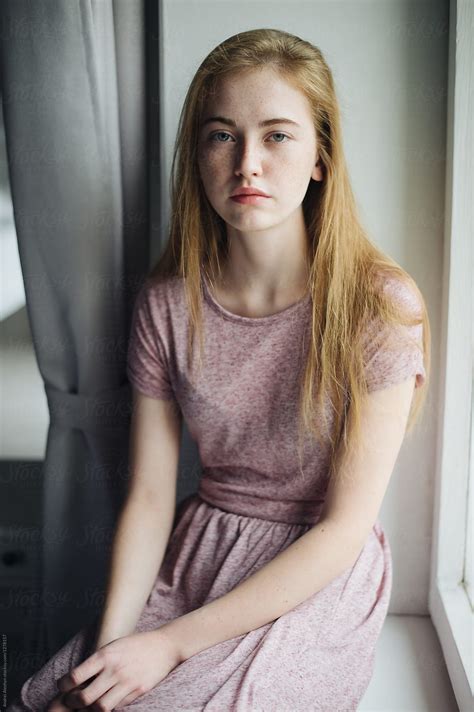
column 230, row 499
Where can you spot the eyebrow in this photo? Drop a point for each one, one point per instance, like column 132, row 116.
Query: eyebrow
column 230, row 122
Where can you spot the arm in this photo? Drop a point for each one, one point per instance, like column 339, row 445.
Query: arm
column 146, row 519
column 322, row 553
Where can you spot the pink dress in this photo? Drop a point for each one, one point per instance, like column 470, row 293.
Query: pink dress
column 253, row 502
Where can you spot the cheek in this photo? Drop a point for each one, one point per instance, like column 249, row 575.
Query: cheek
column 295, row 174
column 289, row 179
column 211, row 165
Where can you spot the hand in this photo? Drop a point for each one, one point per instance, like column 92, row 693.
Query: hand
column 122, row 670
column 56, row 705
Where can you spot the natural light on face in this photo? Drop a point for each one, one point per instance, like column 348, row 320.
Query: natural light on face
column 244, row 147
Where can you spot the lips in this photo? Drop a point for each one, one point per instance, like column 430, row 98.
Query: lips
column 252, row 199
column 249, row 191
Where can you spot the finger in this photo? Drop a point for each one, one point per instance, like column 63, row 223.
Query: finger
column 75, row 677
column 57, row 704
column 130, row 698
column 90, row 693
column 117, row 696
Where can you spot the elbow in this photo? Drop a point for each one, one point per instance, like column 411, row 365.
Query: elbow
column 349, row 537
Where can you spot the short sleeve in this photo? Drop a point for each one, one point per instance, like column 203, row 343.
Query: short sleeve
column 394, row 352
column 146, row 362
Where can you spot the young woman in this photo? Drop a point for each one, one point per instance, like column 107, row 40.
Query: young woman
column 267, row 589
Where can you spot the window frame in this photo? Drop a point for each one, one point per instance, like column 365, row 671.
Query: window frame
column 449, row 602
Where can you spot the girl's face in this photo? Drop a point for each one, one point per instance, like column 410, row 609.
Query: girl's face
column 236, row 150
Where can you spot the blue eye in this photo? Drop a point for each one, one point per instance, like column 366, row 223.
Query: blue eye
column 224, row 133
column 280, row 134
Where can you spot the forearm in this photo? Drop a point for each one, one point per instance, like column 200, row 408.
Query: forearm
column 140, row 541
column 306, row 566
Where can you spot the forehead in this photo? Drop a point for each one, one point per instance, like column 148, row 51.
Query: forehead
column 257, row 94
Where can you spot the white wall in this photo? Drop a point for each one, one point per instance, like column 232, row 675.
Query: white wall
column 389, row 62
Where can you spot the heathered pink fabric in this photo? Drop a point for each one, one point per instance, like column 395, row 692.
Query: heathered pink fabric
column 252, row 503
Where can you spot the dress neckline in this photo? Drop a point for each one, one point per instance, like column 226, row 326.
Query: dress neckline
column 252, row 320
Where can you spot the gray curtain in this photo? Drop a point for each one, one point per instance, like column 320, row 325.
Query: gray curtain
column 74, row 102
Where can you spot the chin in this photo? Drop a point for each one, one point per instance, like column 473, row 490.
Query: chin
column 250, row 224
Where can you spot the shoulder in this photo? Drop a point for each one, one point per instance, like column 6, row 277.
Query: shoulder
column 399, row 322
column 403, row 291
column 162, row 287
column 392, row 341
column 163, row 296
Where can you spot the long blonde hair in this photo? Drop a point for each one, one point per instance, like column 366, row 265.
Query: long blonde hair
column 345, row 266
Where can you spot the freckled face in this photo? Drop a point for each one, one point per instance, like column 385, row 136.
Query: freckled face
column 279, row 159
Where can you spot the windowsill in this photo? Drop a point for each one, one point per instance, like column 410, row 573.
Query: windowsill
column 410, row 673
column 453, row 615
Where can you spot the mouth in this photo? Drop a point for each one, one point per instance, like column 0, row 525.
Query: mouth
column 249, row 199
column 249, row 190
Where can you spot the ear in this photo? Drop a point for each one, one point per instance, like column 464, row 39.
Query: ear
column 317, row 173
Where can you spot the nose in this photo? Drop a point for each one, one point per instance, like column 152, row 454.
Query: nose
column 248, row 161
